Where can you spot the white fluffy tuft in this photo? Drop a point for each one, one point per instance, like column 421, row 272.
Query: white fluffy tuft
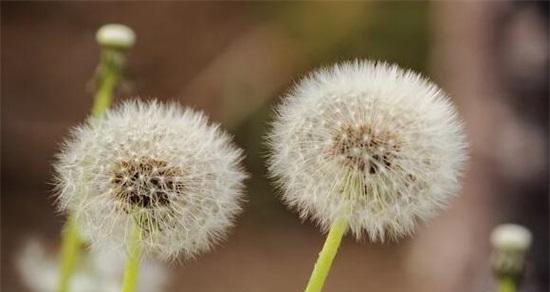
column 94, row 272
column 116, row 35
column 511, row 236
column 371, row 141
column 161, row 166
column 511, row 243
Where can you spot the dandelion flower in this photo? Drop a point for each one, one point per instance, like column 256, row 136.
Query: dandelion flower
column 378, row 145
column 162, row 168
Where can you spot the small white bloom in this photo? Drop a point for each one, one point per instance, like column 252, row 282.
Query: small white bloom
column 370, row 141
column 94, row 272
column 511, row 242
column 116, row 36
column 161, row 167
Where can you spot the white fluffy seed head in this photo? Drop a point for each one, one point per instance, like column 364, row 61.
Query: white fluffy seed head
column 511, row 242
column 162, row 167
column 372, row 142
column 511, row 236
column 96, row 271
column 116, row 36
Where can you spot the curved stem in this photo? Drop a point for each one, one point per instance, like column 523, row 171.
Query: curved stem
column 326, row 256
column 109, row 70
column 70, row 248
column 131, row 269
column 506, row 284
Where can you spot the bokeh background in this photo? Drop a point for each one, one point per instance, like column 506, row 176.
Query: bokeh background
column 233, row 60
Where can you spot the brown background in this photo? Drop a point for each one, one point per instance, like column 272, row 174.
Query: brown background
column 233, row 60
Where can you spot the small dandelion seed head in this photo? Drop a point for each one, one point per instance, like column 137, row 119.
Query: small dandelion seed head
column 37, row 267
column 392, row 148
column 511, row 242
column 511, row 236
column 162, row 167
column 116, row 36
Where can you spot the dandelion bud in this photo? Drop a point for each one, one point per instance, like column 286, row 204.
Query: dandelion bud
column 511, row 243
column 378, row 145
column 160, row 167
column 116, row 36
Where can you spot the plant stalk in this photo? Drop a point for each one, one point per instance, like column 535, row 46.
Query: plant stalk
column 506, row 284
column 69, row 254
column 111, row 64
column 110, row 67
column 131, row 269
column 326, row 256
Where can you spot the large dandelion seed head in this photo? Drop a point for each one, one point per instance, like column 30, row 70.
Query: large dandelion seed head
column 372, row 142
column 161, row 167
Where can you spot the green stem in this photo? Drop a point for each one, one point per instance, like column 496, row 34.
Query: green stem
column 326, row 256
column 131, row 269
column 506, row 284
column 109, row 71
column 103, row 94
column 69, row 254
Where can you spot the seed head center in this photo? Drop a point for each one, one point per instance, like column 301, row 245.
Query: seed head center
column 364, row 148
column 146, row 183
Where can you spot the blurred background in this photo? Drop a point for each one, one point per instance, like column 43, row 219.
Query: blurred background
column 233, row 60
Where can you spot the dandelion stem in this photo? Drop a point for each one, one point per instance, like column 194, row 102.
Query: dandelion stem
column 69, row 254
column 506, row 284
column 103, row 95
column 110, row 67
column 131, row 269
column 326, row 256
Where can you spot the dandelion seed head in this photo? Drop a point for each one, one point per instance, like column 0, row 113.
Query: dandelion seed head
column 161, row 167
column 383, row 143
column 116, row 36
column 39, row 269
column 511, row 242
column 511, row 236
